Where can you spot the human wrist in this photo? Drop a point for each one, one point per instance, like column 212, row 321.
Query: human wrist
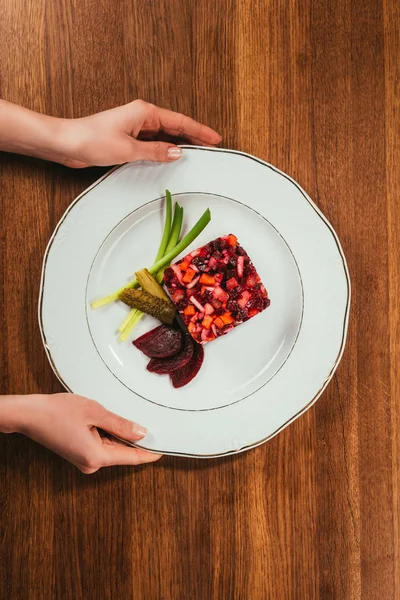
column 16, row 412
column 23, row 131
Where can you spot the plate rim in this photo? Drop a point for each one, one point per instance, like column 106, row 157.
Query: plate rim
column 345, row 321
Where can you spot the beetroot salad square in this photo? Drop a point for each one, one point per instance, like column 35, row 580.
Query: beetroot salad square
column 216, row 288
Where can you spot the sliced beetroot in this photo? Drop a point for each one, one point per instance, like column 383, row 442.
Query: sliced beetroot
column 162, row 342
column 185, row 374
column 162, row 366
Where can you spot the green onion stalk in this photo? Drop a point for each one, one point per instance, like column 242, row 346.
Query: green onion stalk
column 135, row 315
column 170, row 247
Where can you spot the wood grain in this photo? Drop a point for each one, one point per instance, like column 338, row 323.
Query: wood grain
column 314, row 88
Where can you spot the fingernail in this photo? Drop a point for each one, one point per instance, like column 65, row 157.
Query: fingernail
column 174, row 152
column 138, row 430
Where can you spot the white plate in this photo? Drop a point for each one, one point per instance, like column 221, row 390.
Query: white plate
column 255, row 380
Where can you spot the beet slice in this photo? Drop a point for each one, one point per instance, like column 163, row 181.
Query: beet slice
column 162, row 342
column 185, row 374
column 162, row 366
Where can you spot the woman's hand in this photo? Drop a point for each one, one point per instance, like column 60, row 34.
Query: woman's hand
column 69, row 424
column 116, row 136
column 123, row 134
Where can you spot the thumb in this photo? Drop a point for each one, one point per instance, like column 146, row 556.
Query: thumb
column 156, row 151
column 118, row 454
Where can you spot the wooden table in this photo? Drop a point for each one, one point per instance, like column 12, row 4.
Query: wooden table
column 314, row 88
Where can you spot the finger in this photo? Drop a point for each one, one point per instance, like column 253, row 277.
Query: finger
column 118, row 454
column 120, row 427
column 155, row 151
column 184, row 126
column 171, row 136
column 189, row 138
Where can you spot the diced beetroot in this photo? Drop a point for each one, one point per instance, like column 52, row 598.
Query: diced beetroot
column 252, row 280
column 225, row 286
column 177, row 272
column 168, row 274
column 216, row 303
column 240, row 266
column 195, row 253
column 186, row 374
column 162, row 366
column 212, row 263
column 221, row 295
column 178, row 296
column 162, row 342
column 244, row 298
column 208, row 309
column 204, row 335
column 231, row 283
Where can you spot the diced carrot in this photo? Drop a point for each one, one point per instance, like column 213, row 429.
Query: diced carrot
column 184, row 265
column 227, row 318
column 253, row 312
column 189, row 310
column 191, row 327
column 207, row 322
column 187, row 278
column 232, row 240
column 207, row 279
column 219, row 323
